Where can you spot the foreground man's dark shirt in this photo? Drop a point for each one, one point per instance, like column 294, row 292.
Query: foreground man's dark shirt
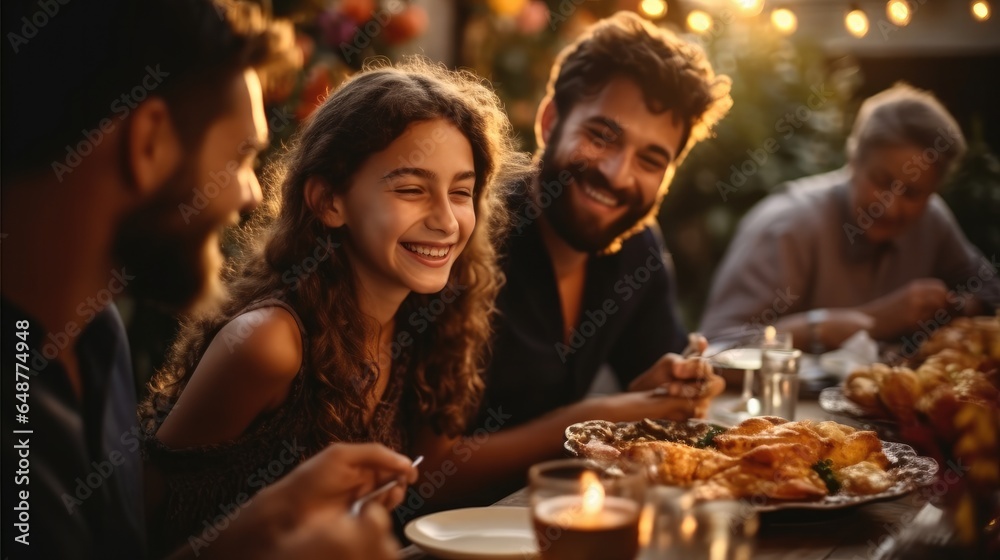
column 84, row 470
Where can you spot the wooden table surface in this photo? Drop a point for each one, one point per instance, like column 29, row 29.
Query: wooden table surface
column 846, row 534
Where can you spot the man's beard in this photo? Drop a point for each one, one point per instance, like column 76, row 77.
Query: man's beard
column 175, row 264
column 578, row 230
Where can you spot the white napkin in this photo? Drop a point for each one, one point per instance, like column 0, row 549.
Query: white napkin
column 859, row 350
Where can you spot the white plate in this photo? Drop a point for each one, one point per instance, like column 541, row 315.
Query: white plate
column 487, row 533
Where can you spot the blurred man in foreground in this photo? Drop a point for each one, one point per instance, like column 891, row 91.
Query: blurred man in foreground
column 118, row 116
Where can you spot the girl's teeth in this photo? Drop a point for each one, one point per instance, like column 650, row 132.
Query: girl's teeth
column 599, row 196
column 426, row 251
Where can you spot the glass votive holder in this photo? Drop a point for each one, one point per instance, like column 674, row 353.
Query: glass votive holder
column 582, row 511
column 772, row 338
column 718, row 530
column 779, row 382
column 659, row 526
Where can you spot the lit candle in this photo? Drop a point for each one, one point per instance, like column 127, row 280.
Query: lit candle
column 590, row 525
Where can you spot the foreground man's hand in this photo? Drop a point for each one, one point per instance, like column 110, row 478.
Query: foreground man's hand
column 332, row 533
column 305, row 514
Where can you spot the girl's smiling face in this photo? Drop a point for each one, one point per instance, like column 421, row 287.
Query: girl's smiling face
column 410, row 210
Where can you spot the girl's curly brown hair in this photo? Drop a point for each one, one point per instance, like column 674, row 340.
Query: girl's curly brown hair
column 444, row 361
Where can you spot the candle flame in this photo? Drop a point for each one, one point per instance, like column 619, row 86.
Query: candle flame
column 769, row 333
column 593, row 493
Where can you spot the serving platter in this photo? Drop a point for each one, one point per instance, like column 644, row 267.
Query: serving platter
column 833, row 401
column 910, row 470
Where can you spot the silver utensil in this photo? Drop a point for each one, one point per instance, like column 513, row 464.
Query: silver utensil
column 359, row 504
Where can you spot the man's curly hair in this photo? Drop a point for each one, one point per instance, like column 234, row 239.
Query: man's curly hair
column 674, row 75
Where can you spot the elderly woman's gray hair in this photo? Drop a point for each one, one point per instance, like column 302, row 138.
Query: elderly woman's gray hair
column 905, row 116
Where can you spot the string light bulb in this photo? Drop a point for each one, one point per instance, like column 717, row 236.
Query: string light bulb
column 507, row 7
column 899, row 12
column 750, row 7
column 653, row 9
column 856, row 21
column 784, row 21
column 981, row 10
column 699, row 21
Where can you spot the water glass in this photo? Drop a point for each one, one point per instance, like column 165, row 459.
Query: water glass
column 718, row 530
column 659, row 527
column 779, row 382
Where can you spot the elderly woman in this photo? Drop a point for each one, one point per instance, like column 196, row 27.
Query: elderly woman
column 870, row 246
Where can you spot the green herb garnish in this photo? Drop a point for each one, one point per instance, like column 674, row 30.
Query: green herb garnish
column 825, row 471
column 708, row 440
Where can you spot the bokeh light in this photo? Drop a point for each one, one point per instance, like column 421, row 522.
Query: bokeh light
column 899, row 12
column 750, row 7
column 784, row 21
column 857, row 23
column 699, row 21
column 653, row 8
column 981, row 10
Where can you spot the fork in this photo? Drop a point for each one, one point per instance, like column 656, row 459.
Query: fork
column 359, row 504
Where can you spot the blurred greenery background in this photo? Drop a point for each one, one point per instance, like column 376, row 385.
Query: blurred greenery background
column 793, row 89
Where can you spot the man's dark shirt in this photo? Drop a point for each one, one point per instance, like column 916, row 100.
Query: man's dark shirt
column 627, row 320
column 84, row 470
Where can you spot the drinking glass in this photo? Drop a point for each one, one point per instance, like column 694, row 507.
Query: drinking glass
column 746, row 355
column 718, row 530
column 779, row 382
column 659, row 526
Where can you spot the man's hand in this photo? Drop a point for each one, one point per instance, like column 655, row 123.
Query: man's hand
column 841, row 324
column 305, row 514
column 900, row 312
column 680, row 376
column 636, row 405
column 341, row 473
column 331, row 533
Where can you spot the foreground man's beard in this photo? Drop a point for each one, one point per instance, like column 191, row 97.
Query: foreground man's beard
column 175, row 264
column 578, row 230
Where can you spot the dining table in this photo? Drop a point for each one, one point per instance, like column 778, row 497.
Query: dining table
column 850, row 533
